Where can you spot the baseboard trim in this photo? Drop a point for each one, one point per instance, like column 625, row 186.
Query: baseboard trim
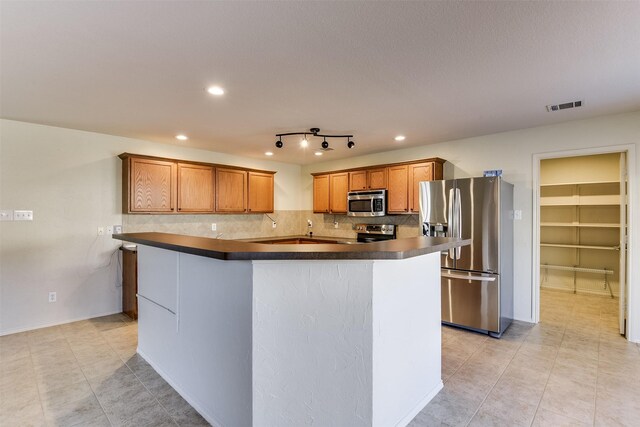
column 420, row 406
column 192, row 401
column 48, row 325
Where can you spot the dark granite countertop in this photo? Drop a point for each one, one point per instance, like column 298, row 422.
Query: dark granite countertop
column 318, row 239
column 242, row 250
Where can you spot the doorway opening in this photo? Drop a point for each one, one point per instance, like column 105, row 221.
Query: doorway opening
column 582, row 230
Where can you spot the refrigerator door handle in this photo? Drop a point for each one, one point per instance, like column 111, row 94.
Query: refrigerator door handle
column 451, row 224
column 464, row 277
column 458, row 234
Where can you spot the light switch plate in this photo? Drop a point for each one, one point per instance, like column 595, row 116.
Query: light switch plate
column 109, row 229
column 117, row 229
column 517, row 214
column 23, row 215
column 6, row 215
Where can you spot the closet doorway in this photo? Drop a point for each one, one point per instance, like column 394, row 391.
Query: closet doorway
column 583, row 216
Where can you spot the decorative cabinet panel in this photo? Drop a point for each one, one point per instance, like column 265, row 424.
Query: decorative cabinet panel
column 377, row 179
column 321, row 194
column 260, row 192
column 357, row 180
column 399, row 179
column 151, row 185
column 231, row 190
column 418, row 172
column 372, row 179
column 397, row 189
column 339, row 187
column 195, row 188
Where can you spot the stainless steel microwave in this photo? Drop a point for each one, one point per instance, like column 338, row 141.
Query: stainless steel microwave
column 367, row 203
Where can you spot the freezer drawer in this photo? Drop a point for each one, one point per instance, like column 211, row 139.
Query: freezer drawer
column 471, row 300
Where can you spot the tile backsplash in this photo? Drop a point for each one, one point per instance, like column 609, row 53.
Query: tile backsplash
column 246, row 226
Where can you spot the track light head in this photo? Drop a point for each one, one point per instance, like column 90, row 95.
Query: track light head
column 351, row 144
column 279, row 143
column 325, row 144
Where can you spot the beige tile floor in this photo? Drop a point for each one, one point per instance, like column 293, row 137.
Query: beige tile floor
column 572, row 369
column 85, row 374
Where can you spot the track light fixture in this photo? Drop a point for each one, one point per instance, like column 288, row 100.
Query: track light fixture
column 314, row 132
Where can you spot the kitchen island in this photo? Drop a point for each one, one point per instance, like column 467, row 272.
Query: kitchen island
column 258, row 334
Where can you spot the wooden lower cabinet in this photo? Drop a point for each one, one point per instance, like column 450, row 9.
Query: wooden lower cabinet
column 397, row 189
column 321, row 194
column 195, row 188
column 260, row 192
column 338, row 189
column 130, row 282
column 231, row 190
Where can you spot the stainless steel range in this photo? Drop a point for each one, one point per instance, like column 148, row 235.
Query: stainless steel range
column 368, row 233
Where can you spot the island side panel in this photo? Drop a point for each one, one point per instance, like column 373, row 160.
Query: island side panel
column 406, row 338
column 204, row 351
column 312, row 343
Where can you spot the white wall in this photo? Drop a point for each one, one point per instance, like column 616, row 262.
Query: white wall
column 71, row 180
column 513, row 153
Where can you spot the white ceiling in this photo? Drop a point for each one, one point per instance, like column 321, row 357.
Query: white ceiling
column 433, row 71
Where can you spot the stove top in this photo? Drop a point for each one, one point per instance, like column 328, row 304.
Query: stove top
column 375, row 232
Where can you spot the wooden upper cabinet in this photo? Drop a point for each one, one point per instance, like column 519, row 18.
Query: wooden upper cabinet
column 231, row 190
column 397, row 189
column 357, row 180
column 417, row 173
column 260, row 192
column 338, row 189
column 195, row 188
column 151, row 185
column 377, row 179
column 321, row 194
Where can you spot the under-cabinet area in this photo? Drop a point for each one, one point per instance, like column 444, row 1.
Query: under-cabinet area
column 170, row 186
column 399, row 179
column 582, row 224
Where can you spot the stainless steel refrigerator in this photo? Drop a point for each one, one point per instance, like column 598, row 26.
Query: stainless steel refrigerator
column 477, row 280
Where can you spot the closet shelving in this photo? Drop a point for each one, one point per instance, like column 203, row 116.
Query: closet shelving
column 580, row 232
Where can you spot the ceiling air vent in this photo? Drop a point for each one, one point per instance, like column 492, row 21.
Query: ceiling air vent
column 566, row 105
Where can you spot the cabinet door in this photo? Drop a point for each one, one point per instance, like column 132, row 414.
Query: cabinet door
column 231, row 190
column 321, row 194
column 195, row 188
column 357, row 180
column 418, row 172
column 397, row 191
column 152, row 185
column 339, row 185
column 377, row 179
column 260, row 192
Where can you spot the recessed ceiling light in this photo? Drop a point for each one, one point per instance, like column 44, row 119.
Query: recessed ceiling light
column 182, row 137
column 400, row 138
column 215, row 90
column 268, row 153
column 318, row 153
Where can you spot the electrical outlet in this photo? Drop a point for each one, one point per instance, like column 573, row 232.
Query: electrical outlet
column 309, row 223
column 517, row 214
column 335, row 224
column 109, row 229
column 273, row 224
column 53, row 297
column 117, row 229
column 23, row 215
column 100, row 231
column 6, row 215
column 214, row 227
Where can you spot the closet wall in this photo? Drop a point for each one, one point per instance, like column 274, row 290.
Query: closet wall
column 580, row 224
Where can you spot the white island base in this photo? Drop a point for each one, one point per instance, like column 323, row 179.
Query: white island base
column 293, row 343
